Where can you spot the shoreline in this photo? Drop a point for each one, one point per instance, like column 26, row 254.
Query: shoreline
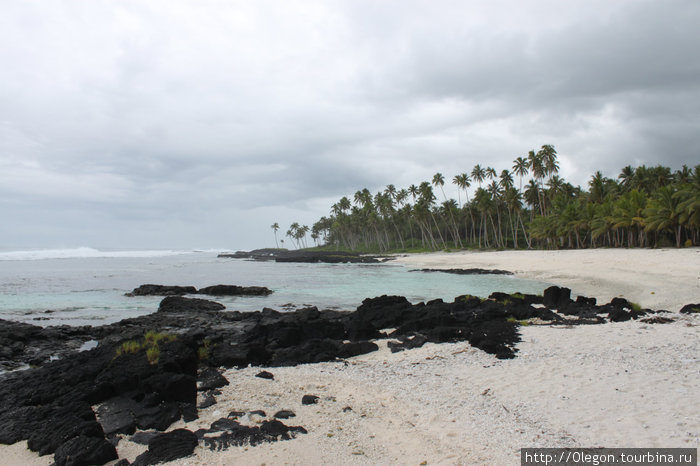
column 624, row 384
column 654, row 278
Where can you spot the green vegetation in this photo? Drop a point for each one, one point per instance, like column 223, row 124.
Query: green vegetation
column 641, row 207
column 129, row 347
column 153, row 354
column 469, row 297
column 149, row 343
column 513, row 320
column 204, row 350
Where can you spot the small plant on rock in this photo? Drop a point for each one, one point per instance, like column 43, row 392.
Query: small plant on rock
column 203, row 351
column 153, row 354
column 129, row 347
column 150, row 344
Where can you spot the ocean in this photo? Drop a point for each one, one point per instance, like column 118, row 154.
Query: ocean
column 86, row 286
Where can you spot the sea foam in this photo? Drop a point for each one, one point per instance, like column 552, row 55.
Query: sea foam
column 82, row 252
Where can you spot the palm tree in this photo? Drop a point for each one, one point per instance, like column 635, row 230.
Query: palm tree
column 293, row 233
column 597, row 187
column 490, row 173
column 538, row 172
column 427, row 199
column 663, row 213
column 628, row 214
column 275, row 226
column 548, row 155
column 520, row 168
column 439, row 180
column 532, row 196
column 689, row 203
column 462, row 181
column 478, row 174
column 413, row 191
column 506, row 180
column 626, row 177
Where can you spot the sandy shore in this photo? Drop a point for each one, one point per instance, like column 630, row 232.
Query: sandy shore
column 654, row 278
column 625, row 384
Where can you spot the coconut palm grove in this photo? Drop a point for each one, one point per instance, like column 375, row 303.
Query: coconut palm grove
column 527, row 205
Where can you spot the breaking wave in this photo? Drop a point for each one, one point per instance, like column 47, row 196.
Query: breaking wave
column 83, row 252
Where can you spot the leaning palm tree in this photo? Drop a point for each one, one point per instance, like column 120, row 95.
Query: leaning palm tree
column 275, row 226
column 293, row 233
column 538, row 172
column 490, row 173
column 463, row 182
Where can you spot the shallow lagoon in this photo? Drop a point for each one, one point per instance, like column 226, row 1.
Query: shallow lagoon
column 86, row 286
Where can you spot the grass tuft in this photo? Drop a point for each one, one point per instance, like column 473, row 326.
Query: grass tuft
column 150, row 344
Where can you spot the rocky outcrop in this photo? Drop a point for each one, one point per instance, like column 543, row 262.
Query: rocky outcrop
column 473, row 271
column 234, row 290
column 162, row 290
column 169, row 446
column 51, row 406
column 284, row 255
column 23, row 344
column 690, row 309
column 215, row 290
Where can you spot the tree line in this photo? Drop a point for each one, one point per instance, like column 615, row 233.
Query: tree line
column 527, row 206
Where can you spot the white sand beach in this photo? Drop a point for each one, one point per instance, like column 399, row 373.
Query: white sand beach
column 626, row 384
column 654, row 278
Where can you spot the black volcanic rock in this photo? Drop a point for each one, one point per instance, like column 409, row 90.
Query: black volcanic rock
column 235, row 290
column 182, row 304
column 690, row 309
column 162, row 290
column 85, row 451
column 51, row 406
column 472, row 271
column 235, row 434
column 328, row 257
column 284, row 255
column 284, row 414
column 557, row 297
column 168, row 447
column 210, row 378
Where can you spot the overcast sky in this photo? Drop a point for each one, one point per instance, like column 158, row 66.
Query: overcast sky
column 197, row 124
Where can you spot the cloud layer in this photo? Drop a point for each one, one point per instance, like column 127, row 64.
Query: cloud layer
column 180, row 124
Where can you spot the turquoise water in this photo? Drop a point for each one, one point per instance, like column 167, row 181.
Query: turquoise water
column 85, row 286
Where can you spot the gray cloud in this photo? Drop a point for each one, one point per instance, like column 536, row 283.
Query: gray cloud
column 147, row 124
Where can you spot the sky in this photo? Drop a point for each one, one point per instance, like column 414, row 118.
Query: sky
column 179, row 124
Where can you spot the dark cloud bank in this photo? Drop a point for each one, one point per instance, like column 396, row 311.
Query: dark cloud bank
column 170, row 124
